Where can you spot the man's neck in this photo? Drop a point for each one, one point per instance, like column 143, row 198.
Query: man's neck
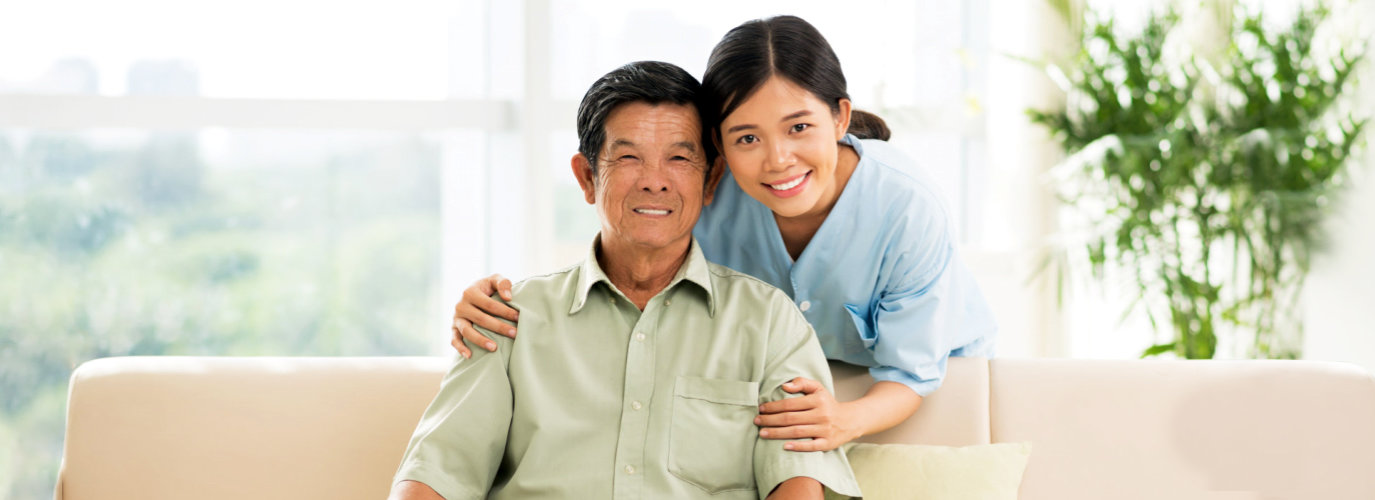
column 641, row 273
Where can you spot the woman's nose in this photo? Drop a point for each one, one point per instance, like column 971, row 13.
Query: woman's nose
column 780, row 156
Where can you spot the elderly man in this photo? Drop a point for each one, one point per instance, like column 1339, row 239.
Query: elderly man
column 638, row 373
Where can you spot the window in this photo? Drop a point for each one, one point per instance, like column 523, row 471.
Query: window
column 269, row 178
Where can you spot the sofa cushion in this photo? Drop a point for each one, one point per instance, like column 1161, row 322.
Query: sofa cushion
column 908, row 471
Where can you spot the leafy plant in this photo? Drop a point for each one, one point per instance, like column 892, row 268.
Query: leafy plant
column 1205, row 177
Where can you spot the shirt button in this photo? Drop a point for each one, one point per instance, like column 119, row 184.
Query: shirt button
column 636, row 405
column 640, row 337
column 630, row 469
column 668, row 303
column 805, row 305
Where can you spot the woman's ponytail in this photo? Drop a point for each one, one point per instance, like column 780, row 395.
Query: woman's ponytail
column 866, row 125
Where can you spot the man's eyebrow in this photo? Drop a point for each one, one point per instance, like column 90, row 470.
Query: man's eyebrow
column 621, row 142
column 688, row 145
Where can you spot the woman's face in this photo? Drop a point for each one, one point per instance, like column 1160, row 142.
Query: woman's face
column 782, row 147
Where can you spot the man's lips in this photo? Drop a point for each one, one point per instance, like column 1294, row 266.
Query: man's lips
column 653, row 211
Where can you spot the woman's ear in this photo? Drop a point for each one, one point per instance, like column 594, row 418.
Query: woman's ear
column 587, row 179
column 842, row 119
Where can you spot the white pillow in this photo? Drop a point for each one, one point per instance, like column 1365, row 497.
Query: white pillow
column 924, row 472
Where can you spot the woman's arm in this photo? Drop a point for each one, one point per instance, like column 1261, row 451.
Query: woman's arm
column 885, row 405
column 829, row 424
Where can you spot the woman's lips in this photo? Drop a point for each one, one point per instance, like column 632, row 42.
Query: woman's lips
column 790, row 187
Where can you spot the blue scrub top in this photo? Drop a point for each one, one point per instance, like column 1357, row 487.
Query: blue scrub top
column 880, row 281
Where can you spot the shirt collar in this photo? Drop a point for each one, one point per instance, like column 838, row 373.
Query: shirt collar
column 853, row 142
column 694, row 270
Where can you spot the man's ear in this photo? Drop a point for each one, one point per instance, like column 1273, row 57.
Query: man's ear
column 843, row 119
column 718, row 170
column 582, row 170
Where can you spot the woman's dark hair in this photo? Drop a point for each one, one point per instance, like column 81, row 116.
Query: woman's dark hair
column 651, row 82
column 785, row 46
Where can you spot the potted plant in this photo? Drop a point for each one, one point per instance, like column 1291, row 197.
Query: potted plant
column 1205, row 175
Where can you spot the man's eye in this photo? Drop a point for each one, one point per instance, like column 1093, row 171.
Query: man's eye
column 679, row 158
column 627, row 158
column 800, row 127
column 747, row 139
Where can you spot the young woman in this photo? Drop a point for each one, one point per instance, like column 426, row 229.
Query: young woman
column 817, row 204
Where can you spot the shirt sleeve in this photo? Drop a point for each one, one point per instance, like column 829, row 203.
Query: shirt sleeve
column 795, row 352
column 458, row 445
column 914, row 320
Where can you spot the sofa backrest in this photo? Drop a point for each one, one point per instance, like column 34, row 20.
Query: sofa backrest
column 1194, row 430
column 237, row 428
column 955, row 415
column 215, row 428
column 266, row 428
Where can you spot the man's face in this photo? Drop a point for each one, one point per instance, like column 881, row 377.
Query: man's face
column 650, row 184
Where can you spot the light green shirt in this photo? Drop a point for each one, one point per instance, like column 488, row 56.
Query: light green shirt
column 600, row 400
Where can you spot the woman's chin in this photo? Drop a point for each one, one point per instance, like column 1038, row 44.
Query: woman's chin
column 792, row 207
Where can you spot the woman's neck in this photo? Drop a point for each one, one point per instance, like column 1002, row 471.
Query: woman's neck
column 798, row 231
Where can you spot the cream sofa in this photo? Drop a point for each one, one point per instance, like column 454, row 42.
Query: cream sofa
column 335, row 428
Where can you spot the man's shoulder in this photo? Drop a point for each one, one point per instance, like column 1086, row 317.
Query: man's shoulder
column 756, row 307
column 534, row 297
column 550, row 281
column 541, row 289
column 735, row 287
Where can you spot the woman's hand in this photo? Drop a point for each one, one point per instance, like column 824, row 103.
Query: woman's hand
column 815, row 415
column 478, row 307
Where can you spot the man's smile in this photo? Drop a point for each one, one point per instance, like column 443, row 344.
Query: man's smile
column 653, row 211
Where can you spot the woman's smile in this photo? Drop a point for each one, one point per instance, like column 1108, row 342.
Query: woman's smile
column 791, row 186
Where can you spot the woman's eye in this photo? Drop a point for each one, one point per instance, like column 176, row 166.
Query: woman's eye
column 800, row 127
column 747, row 139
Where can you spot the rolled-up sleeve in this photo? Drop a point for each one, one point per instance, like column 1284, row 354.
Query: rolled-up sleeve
column 458, row 445
column 793, row 352
column 933, row 309
column 911, row 329
column 915, row 322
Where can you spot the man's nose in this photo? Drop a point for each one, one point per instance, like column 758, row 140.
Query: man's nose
column 654, row 178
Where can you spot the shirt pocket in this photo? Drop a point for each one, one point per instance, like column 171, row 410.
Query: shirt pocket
column 712, row 436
